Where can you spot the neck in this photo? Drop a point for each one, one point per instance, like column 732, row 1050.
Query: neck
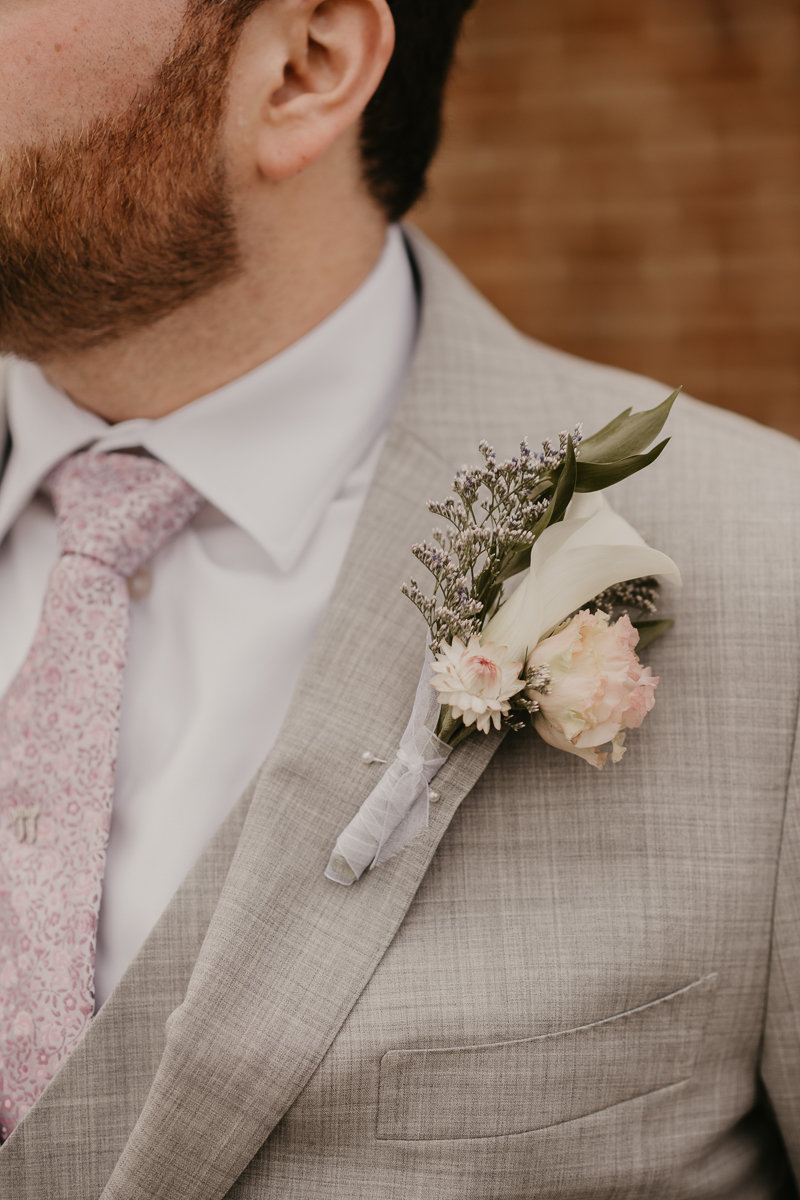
column 288, row 284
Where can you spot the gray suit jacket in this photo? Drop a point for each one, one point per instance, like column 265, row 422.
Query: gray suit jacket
column 575, row 984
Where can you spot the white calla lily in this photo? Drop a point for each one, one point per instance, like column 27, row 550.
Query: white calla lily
column 571, row 563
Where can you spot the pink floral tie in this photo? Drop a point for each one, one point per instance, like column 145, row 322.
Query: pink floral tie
column 58, row 744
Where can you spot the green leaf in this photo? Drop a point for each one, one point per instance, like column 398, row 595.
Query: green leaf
column 627, row 435
column 607, row 435
column 565, row 488
column 520, row 562
column 593, row 477
column 540, row 489
column 650, row 631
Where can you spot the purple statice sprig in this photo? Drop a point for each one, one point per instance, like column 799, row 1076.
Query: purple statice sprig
column 493, row 520
column 636, row 596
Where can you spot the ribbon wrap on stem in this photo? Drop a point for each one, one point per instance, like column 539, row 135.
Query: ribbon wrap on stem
column 397, row 809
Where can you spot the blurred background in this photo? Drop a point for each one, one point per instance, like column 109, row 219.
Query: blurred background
column 622, row 179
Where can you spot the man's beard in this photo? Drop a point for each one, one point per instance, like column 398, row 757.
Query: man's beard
column 112, row 229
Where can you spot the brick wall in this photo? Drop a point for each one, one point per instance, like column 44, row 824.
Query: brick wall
column 622, row 178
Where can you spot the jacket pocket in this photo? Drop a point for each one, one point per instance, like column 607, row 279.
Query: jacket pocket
column 521, row 1086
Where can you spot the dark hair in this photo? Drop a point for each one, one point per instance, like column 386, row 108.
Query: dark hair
column 402, row 124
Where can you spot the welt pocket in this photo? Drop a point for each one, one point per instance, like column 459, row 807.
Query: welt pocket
column 521, row 1086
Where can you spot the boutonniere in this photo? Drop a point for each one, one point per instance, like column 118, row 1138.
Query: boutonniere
column 536, row 579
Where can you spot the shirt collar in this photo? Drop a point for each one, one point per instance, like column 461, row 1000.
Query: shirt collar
column 270, row 450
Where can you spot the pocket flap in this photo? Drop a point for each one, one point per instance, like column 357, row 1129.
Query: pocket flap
column 517, row 1087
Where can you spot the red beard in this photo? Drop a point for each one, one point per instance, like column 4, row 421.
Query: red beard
column 114, row 228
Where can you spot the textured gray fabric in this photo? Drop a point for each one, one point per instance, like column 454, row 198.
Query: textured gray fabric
column 545, row 898
column 64, row 1148
column 430, row 1095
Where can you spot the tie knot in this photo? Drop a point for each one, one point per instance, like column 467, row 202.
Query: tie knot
column 119, row 508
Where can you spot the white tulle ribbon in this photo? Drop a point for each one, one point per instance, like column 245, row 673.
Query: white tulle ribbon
column 397, row 810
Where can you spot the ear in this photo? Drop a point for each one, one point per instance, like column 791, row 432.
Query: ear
column 304, row 72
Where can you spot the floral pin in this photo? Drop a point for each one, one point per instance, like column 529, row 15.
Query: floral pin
column 536, row 580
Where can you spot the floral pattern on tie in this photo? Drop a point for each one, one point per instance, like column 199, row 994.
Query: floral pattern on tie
column 59, row 725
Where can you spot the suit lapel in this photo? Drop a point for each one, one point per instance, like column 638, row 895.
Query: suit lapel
column 288, row 953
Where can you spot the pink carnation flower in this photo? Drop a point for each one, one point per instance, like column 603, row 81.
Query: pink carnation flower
column 476, row 681
column 599, row 687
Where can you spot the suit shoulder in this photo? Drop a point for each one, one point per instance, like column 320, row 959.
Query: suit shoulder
column 609, row 389
column 508, row 383
column 733, row 454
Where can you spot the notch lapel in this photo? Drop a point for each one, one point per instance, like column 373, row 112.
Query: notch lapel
column 288, row 952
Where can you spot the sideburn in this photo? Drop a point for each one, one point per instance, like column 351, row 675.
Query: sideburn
column 116, row 228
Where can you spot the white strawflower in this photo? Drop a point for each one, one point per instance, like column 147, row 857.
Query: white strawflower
column 476, row 681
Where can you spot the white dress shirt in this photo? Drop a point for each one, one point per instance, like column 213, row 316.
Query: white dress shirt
column 284, row 457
